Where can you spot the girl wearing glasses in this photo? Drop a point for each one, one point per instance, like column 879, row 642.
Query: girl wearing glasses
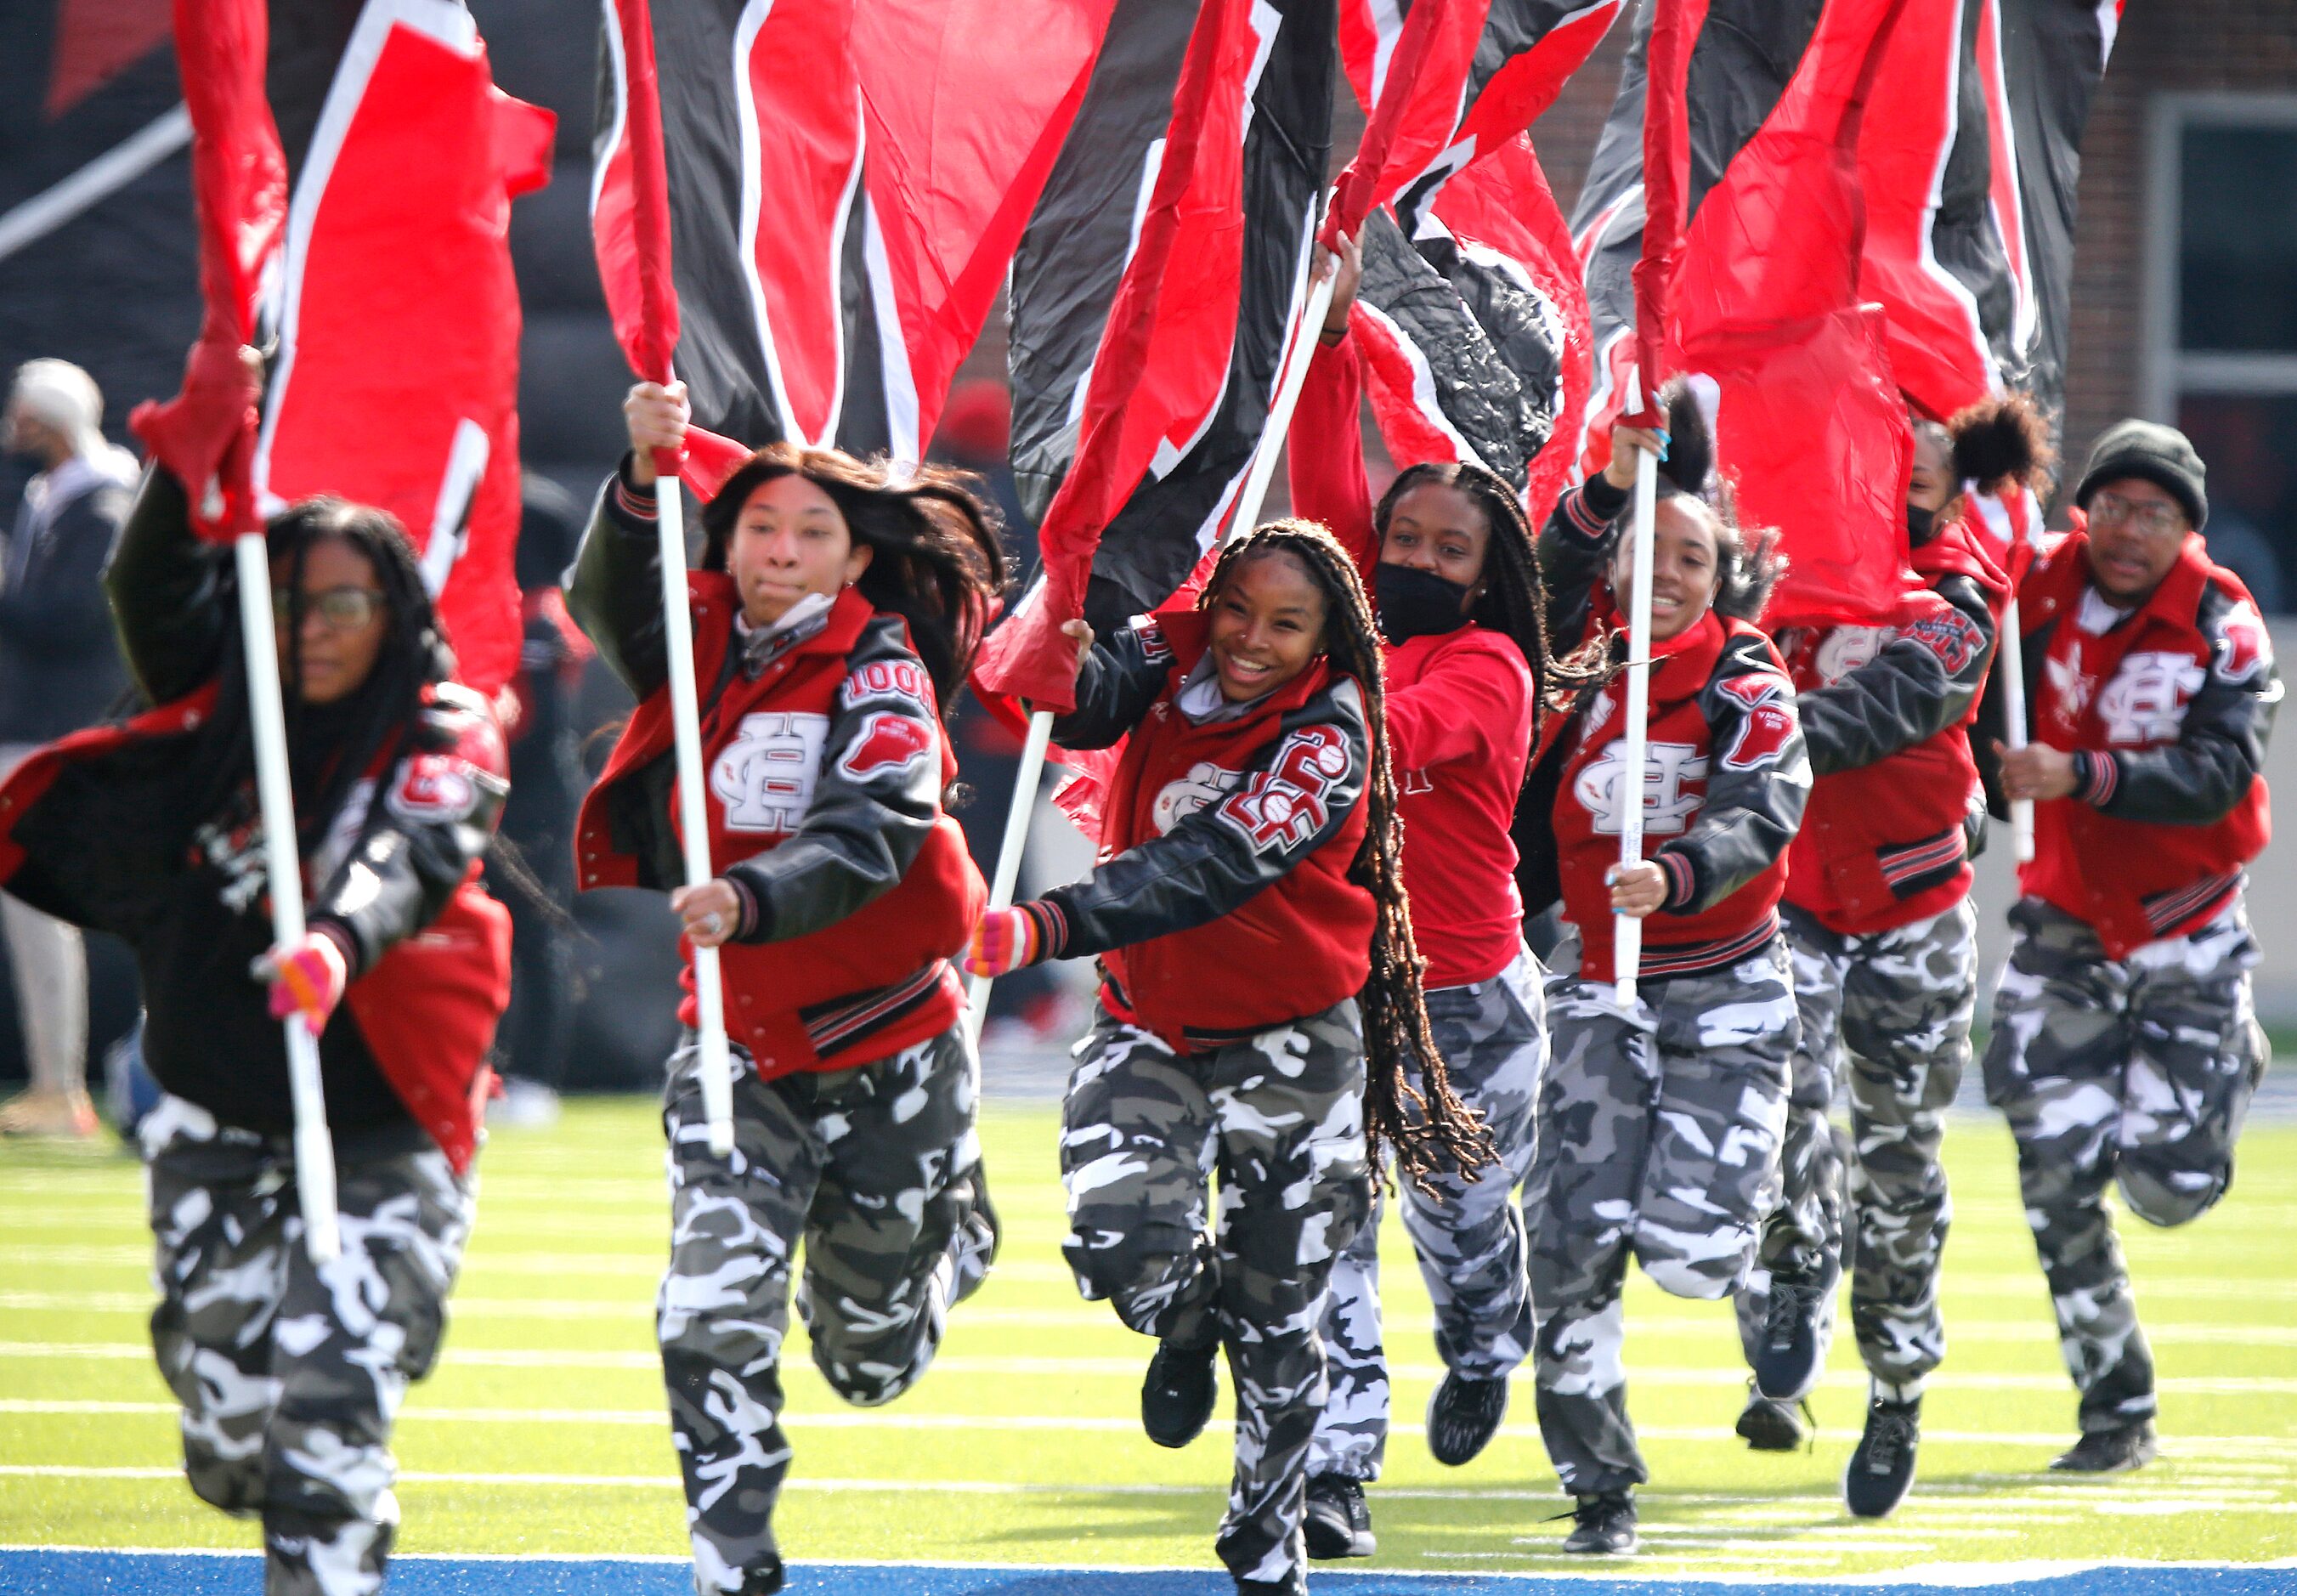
column 290, row 1375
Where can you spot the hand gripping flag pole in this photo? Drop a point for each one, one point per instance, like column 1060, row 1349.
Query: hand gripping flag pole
column 631, row 225
column 315, row 1149
column 1627, row 934
column 693, row 815
column 206, row 438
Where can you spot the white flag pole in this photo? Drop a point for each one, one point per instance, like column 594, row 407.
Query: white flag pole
column 1627, row 931
column 274, row 792
column 693, row 814
column 1008, row 852
column 2010, row 660
column 1257, row 477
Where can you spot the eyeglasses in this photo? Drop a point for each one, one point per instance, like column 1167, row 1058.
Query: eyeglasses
column 2152, row 516
column 339, row 609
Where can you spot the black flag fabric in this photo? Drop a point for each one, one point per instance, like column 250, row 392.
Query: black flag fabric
column 2054, row 53
column 1074, row 251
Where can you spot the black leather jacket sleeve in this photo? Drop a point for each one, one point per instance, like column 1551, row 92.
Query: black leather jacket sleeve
column 1919, row 683
column 874, row 803
column 1121, row 678
column 1574, row 547
column 615, row 591
column 1291, row 801
column 2220, row 746
column 167, row 593
column 432, row 815
column 1757, row 782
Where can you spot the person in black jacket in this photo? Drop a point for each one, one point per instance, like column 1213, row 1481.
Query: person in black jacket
column 58, row 671
column 290, row 1374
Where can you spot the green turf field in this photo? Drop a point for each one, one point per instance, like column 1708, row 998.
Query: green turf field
column 543, row 1430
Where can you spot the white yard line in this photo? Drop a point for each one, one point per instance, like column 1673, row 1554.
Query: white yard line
column 1130, row 1368
column 2264, row 1449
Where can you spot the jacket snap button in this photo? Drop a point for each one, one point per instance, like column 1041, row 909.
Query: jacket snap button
column 745, row 1000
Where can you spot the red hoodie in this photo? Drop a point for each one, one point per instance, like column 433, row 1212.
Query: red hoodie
column 1459, row 712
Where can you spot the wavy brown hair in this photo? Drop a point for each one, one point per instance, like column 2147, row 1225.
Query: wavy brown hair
column 1427, row 1127
column 935, row 561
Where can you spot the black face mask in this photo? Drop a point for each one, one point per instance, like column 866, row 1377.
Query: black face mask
column 1413, row 603
column 1922, row 525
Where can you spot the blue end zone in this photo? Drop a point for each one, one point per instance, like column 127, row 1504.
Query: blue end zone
column 78, row 1573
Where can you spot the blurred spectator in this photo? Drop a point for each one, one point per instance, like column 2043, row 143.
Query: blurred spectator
column 976, row 434
column 60, row 670
column 545, row 788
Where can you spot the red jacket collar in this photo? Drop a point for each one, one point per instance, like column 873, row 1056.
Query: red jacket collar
column 2057, row 585
column 849, row 613
column 1190, row 633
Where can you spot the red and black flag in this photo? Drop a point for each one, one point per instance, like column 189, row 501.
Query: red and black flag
column 353, row 169
column 395, row 379
column 1809, row 426
column 1142, row 378
column 1491, row 68
column 846, row 182
column 1474, row 337
column 1466, row 319
column 1746, row 51
column 1943, row 254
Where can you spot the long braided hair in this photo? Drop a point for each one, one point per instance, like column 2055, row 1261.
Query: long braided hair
column 934, row 561
column 1514, row 600
column 1427, row 1127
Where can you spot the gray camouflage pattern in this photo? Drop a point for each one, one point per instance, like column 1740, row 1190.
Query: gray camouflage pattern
column 1279, row 1118
column 1658, row 1135
column 2135, row 1072
column 1470, row 1242
column 290, row 1375
column 1894, row 1006
column 877, row 1170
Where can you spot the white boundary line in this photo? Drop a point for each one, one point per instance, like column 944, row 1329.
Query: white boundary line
column 1928, row 1574
column 2196, row 1449
column 1130, row 1368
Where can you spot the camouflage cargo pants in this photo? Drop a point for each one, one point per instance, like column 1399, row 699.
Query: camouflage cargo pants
column 1896, row 1006
column 290, row 1374
column 1658, row 1135
column 1470, row 1243
column 1279, row 1118
column 877, row 1170
column 2135, row 1072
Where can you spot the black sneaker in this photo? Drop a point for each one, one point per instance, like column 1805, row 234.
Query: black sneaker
column 1295, row 1583
column 1883, row 1469
column 1793, row 1349
column 1463, row 1416
column 1176, row 1398
column 1768, row 1425
column 1603, row 1524
column 1337, row 1523
column 764, row 1580
column 2110, row 1451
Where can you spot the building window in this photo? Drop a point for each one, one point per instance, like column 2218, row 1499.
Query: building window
column 2221, row 302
